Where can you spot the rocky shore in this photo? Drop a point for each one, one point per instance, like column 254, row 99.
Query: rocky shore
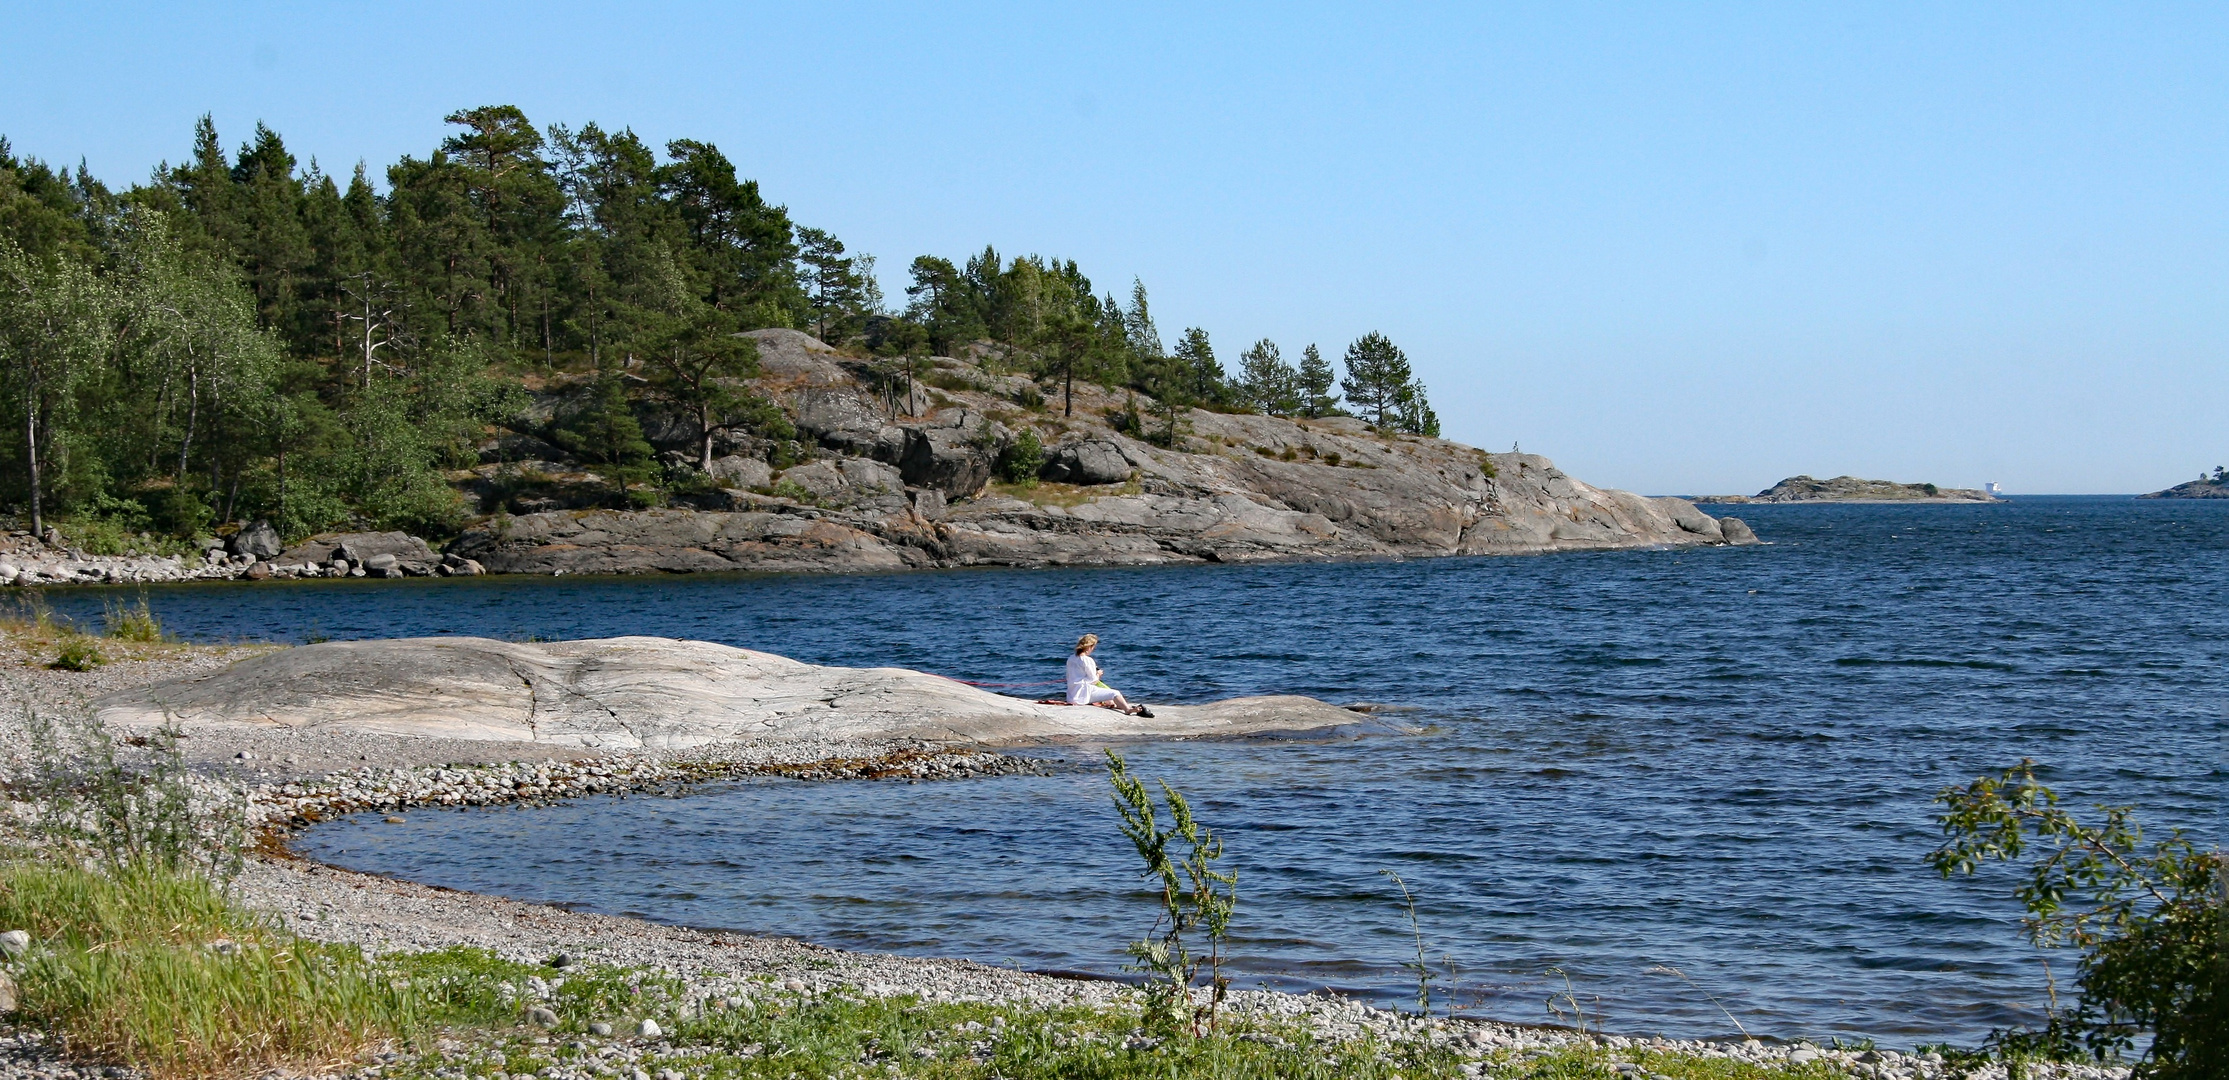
column 293, row 772
column 1850, row 489
column 941, row 475
column 2212, row 488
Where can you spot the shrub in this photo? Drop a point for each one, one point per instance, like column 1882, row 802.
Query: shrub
column 2151, row 921
column 78, row 653
column 1019, row 461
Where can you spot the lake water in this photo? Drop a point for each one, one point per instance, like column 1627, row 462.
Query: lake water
column 1715, row 760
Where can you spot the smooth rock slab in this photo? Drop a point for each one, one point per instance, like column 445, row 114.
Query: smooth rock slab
column 646, row 692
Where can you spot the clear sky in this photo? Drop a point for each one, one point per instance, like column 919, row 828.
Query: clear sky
column 1680, row 247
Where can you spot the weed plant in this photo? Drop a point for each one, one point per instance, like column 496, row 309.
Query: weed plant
column 1195, row 897
column 132, row 622
column 77, row 652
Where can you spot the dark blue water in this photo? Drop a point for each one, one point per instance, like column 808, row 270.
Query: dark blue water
column 1716, row 760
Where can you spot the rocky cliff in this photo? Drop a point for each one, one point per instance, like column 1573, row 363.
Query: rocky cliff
column 1852, row 489
column 902, row 477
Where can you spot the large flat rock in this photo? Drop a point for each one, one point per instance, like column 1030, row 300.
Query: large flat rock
column 645, row 693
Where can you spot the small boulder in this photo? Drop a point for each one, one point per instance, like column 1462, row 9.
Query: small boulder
column 541, row 1017
column 649, row 1029
column 14, row 943
column 1737, row 531
column 258, row 571
column 258, row 539
column 737, row 471
column 599, row 1028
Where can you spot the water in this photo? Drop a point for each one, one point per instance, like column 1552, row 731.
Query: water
column 1716, row 760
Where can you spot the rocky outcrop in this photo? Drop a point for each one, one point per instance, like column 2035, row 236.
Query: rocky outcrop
column 1851, row 489
column 898, row 486
column 2215, row 488
column 644, row 693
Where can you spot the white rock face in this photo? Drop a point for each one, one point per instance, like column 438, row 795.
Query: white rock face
column 646, row 693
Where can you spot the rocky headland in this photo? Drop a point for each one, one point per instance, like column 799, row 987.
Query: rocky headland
column 1850, row 489
column 2216, row 487
column 885, row 477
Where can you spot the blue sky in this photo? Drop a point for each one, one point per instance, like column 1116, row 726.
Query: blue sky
column 1680, row 248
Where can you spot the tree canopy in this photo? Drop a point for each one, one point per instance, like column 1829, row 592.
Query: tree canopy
column 248, row 335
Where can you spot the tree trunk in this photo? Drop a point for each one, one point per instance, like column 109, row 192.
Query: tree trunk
column 31, row 451
column 1068, row 407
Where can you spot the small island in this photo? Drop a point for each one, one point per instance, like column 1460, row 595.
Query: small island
column 1850, row 489
column 2215, row 486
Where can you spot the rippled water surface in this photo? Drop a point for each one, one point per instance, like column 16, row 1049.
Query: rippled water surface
column 1716, row 760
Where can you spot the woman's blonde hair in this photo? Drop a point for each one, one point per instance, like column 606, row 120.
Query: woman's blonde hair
column 1085, row 642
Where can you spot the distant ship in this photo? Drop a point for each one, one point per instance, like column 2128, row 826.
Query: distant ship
column 1993, row 490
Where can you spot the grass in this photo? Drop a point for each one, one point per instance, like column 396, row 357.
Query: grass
column 1047, row 493
column 154, row 969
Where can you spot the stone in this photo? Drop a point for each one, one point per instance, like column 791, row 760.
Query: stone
column 1095, row 462
column 361, row 547
column 14, row 943
column 382, row 564
column 9, row 997
column 467, row 568
column 1737, row 531
column 742, row 472
column 1803, row 1056
column 955, row 460
column 643, row 693
column 258, row 539
column 258, row 571
column 649, row 1029
column 53, row 537
column 541, row 1017
column 928, row 503
column 599, row 1028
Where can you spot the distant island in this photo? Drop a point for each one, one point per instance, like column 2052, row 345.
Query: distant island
column 1852, row 489
column 2215, row 486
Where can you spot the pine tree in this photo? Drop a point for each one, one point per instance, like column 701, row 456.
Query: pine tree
column 1196, row 367
column 1315, row 382
column 1378, row 378
column 1137, row 324
column 1267, row 382
column 832, row 287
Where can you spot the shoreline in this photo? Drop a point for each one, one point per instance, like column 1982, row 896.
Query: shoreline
column 285, row 789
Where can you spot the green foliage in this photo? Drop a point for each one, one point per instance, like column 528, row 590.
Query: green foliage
column 1019, row 461
column 150, row 967
column 600, row 428
column 116, row 813
column 2150, row 918
column 1195, row 897
column 1267, row 383
column 77, row 653
column 1314, row 382
column 1381, row 384
column 130, row 622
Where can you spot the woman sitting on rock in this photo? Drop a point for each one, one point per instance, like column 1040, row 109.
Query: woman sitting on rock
column 1084, row 687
